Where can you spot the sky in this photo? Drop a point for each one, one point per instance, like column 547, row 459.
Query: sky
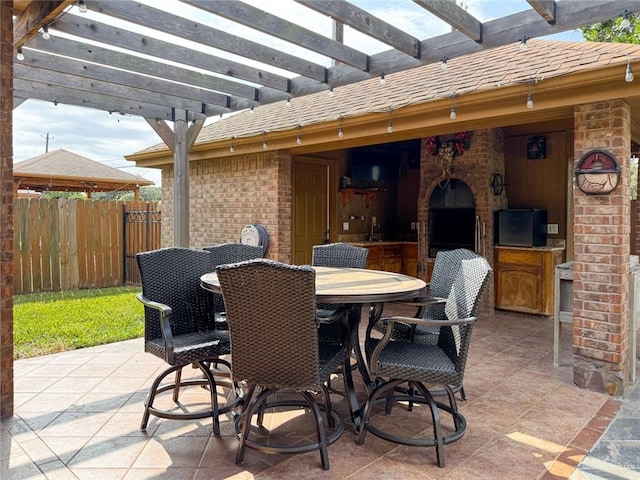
column 107, row 138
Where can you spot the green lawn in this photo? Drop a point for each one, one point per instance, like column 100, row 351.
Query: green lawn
column 46, row 323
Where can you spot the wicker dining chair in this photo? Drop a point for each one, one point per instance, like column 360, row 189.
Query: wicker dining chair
column 339, row 255
column 275, row 349
column 394, row 363
column 180, row 329
column 231, row 252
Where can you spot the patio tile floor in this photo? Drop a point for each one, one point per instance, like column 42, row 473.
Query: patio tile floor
column 78, row 414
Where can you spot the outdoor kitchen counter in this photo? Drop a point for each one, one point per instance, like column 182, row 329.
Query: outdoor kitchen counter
column 392, row 256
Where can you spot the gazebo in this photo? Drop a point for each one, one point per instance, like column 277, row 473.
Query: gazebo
column 62, row 170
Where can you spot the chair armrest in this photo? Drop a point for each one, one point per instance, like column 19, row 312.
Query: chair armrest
column 429, row 322
column 423, row 301
column 165, row 326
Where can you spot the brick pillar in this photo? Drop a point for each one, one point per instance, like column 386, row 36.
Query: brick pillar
column 601, row 255
column 6, row 208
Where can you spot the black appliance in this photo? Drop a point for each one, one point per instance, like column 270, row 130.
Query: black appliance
column 451, row 228
column 523, row 227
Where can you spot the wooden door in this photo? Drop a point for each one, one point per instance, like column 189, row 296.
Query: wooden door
column 310, row 209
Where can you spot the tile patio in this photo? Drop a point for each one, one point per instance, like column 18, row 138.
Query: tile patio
column 78, row 414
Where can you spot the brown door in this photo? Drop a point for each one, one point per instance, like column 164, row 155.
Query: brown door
column 310, row 209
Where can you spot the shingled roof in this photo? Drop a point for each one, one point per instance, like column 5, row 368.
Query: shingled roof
column 486, row 70
column 61, row 170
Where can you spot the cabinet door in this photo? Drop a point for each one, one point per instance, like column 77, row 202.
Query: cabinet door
column 374, row 259
column 392, row 258
column 410, row 259
column 519, row 288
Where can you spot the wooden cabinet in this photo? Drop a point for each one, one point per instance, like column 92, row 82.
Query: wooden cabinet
column 410, row 259
column 524, row 278
column 398, row 257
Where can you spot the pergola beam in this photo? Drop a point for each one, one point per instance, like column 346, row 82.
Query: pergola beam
column 545, row 8
column 362, row 21
column 457, row 17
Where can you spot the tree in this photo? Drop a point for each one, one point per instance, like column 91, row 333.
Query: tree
column 613, row 31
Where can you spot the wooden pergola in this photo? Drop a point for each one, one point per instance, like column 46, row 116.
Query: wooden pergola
column 136, row 59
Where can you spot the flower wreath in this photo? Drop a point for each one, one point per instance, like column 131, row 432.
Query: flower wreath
column 449, row 149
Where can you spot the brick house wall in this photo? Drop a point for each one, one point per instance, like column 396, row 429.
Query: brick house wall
column 475, row 167
column 601, row 255
column 6, row 205
column 227, row 194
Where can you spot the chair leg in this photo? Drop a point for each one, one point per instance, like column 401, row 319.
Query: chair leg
column 435, row 418
column 176, row 388
column 322, row 436
column 213, row 390
column 368, row 407
column 152, row 394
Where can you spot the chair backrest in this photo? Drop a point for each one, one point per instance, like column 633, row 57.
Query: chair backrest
column 445, row 269
column 462, row 302
column 231, row 252
column 172, row 276
column 341, row 255
column 272, row 323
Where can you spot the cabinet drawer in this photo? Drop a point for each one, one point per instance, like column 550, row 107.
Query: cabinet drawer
column 519, row 257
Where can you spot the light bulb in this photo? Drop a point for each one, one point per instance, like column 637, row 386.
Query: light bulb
column 232, row 149
column 289, row 102
column 523, row 43
column 628, row 76
column 443, row 63
column 625, row 23
column 529, row 101
column 331, row 91
column 82, row 6
column 453, row 115
column 340, row 132
column 389, row 127
column 264, row 145
column 383, row 80
column 45, row 33
column 252, row 110
column 19, row 54
column 298, row 140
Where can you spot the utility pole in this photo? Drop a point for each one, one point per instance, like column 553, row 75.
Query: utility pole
column 46, row 146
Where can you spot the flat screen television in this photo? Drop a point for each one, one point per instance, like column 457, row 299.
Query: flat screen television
column 522, row 227
column 374, row 169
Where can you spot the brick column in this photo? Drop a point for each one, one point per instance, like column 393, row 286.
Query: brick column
column 601, row 255
column 6, row 208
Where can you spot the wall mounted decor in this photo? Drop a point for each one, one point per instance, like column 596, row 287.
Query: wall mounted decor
column 597, row 172
column 537, row 147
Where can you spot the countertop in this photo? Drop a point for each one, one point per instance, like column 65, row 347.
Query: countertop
column 382, row 242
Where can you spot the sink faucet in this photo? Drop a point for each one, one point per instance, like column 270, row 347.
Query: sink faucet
column 373, row 225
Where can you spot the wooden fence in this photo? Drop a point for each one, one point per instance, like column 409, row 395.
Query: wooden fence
column 62, row 244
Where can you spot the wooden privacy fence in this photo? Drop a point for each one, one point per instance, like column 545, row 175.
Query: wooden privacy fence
column 62, row 244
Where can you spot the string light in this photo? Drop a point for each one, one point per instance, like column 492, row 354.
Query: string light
column 45, row 32
column 340, row 130
column 523, row 43
column 625, row 23
column 19, row 54
column 390, row 123
column 252, row 110
column 383, row 80
column 298, row 137
column 232, row 148
column 82, row 6
column 529, row 100
column 331, row 93
column 443, row 62
column 289, row 102
column 264, row 141
column 628, row 76
column 453, row 114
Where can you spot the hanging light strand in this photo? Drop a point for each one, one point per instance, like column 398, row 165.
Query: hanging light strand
column 390, row 123
column 453, row 114
column 232, row 148
column 19, row 54
column 523, row 43
column 340, row 129
column 298, row 136
column 628, row 75
column 265, row 146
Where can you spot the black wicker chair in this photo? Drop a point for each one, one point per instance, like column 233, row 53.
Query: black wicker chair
column 222, row 254
column 339, row 255
column 275, row 349
column 180, row 329
column 396, row 362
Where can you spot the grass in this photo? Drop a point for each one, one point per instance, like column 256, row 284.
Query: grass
column 45, row 323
